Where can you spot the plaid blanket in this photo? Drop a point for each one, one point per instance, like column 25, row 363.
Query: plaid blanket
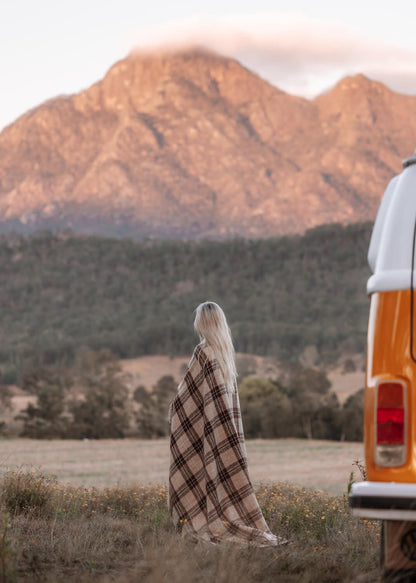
column 210, row 493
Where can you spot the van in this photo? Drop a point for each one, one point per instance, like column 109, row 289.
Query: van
column 389, row 492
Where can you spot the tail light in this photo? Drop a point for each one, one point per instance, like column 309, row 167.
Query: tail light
column 391, row 423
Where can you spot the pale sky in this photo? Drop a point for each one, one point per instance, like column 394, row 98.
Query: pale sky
column 53, row 47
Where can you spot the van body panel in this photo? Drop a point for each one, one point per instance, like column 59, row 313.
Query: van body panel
column 389, row 358
column 389, row 490
column 391, row 246
column 379, row 224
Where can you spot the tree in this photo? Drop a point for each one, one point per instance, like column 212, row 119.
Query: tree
column 349, row 366
column 265, row 409
column 352, row 417
column 47, row 418
column 307, row 389
column 100, row 409
column 326, row 423
column 152, row 416
column 5, row 398
column 5, row 403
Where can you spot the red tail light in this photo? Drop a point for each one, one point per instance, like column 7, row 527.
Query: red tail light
column 390, row 414
column 391, row 423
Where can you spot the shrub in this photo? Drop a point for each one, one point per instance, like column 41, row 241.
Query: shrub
column 265, row 409
column 152, row 417
column 28, row 492
column 353, row 417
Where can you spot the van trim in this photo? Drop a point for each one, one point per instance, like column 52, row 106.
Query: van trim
column 382, row 281
column 412, row 289
column 409, row 161
column 383, row 489
column 383, row 500
column 384, row 514
column 393, row 502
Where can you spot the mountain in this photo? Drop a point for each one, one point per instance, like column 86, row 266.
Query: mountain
column 192, row 144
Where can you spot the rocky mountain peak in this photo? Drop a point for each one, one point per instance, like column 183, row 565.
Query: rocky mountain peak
column 192, row 144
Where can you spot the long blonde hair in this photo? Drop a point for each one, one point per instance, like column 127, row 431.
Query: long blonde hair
column 211, row 326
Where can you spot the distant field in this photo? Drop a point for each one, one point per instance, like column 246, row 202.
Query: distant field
column 325, row 465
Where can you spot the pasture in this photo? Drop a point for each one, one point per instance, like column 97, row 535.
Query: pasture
column 55, row 533
column 323, row 465
column 105, row 519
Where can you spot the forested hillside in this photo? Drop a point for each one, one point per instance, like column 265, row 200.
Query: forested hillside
column 61, row 292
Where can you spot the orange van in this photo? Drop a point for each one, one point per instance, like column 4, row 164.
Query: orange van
column 389, row 494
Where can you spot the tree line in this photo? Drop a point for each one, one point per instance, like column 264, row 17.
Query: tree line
column 281, row 295
column 95, row 400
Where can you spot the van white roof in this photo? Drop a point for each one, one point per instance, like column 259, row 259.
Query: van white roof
column 391, row 252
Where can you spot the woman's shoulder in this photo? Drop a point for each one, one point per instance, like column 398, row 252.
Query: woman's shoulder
column 203, row 353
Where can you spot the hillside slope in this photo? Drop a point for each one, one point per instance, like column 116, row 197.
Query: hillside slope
column 281, row 295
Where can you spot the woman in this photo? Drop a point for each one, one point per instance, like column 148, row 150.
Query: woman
column 210, row 493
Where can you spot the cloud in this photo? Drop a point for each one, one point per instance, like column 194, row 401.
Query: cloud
column 299, row 54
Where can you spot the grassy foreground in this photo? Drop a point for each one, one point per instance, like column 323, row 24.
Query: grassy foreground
column 54, row 532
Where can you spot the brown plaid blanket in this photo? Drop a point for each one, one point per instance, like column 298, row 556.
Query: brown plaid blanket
column 210, row 493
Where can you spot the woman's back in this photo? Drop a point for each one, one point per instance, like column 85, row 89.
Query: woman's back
column 210, row 493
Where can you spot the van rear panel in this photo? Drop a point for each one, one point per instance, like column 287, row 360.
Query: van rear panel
column 390, row 365
column 389, row 491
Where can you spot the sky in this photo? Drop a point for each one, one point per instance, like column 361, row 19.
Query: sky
column 51, row 47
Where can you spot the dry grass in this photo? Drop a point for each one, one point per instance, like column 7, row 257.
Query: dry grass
column 315, row 464
column 67, row 534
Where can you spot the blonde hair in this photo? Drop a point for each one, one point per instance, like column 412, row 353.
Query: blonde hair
column 211, row 326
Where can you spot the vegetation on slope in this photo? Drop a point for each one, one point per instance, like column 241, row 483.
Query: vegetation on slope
column 281, row 295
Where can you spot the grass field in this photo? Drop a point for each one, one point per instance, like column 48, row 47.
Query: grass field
column 64, row 534
column 105, row 517
column 95, row 511
column 324, row 465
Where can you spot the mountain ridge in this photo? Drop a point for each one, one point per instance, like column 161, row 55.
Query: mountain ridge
column 194, row 145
